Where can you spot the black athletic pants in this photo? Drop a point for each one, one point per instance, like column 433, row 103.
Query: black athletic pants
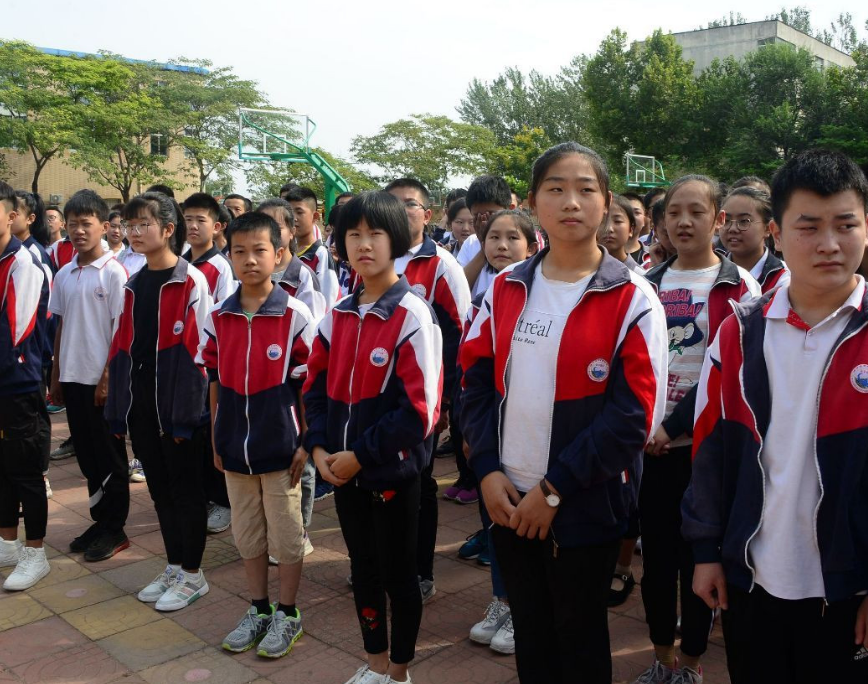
column 775, row 641
column 23, row 449
column 380, row 530
column 102, row 462
column 667, row 559
column 427, row 518
column 174, row 476
column 559, row 607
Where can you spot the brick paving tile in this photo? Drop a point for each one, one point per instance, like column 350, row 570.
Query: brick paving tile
column 37, row 640
column 202, row 666
column 230, row 577
column 218, row 553
column 7, row 677
column 310, row 660
column 153, row 542
column 110, row 617
column 85, row 663
column 151, row 644
column 17, row 610
column 63, row 569
column 214, row 616
column 462, row 663
column 452, row 576
column 132, row 577
column 75, row 593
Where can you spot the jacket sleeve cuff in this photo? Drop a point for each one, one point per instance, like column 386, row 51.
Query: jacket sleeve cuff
column 117, row 427
column 673, row 426
column 213, row 375
column 313, row 439
column 363, row 456
column 484, row 464
column 562, row 480
column 706, row 551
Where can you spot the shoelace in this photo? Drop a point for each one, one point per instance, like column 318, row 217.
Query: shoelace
column 494, row 612
column 652, row 675
column 507, row 626
column 27, row 559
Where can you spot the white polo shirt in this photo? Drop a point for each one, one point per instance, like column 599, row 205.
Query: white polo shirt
column 88, row 299
column 784, row 552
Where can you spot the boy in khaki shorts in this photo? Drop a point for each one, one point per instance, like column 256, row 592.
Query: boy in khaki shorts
column 265, row 336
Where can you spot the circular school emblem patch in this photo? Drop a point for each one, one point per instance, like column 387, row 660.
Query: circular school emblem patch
column 859, row 378
column 178, row 328
column 379, row 357
column 598, row 370
column 99, row 294
column 274, row 352
column 420, row 290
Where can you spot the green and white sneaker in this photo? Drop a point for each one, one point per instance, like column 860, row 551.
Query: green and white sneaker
column 184, row 590
column 283, row 632
column 249, row 631
column 159, row 585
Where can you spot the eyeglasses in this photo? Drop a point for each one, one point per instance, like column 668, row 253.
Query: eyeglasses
column 52, row 218
column 741, row 224
column 137, row 229
column 413, row 204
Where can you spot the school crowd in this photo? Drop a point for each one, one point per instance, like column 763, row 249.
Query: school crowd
column 687, row 369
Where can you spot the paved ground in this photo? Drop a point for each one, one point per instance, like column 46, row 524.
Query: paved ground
column 82, row 623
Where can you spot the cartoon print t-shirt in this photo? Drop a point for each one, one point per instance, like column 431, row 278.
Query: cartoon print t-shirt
column 531, row 378
column 684, row 295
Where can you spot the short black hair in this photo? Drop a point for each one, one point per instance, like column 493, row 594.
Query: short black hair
column 86, row 203
column 751, row 182
column 712, row 186
column 165, row 210
column 287, row 188
column 334, row 213
column 113, row 215
column 118, row 206
column 248, row 205
column 35, row 206
column 165, row 189
column 557, row 152
column 379, row 209
column 410, row 183
column 623, row 201
column 225, row 217
column 633, row 197
column 651, row 197
column 7, row 194
column 350, row 195
column 488, row 190
column 202, row 200
column 302, row 194
column 455, row 195
column 455, row 209
column 658, row 212
column 283, row 205
column 520, row 220
column 250, row 223
column 820, row 171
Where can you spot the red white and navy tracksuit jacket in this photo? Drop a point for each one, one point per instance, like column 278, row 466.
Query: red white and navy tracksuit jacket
column 610, row 393
column 723, row 507
column 61, row 253
column 318, row 258
column 24, row 293
column 732, row 283
column 259, row 365
column 773, row 273
column 182, row 385
column 217, row 271
column 301, row 282
column 435, row 275
column 374, row 383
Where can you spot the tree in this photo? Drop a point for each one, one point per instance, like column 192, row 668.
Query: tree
column 115, row 148
column 207, row 107
column 266, row 178
column 47, row 98
column 845, row 125
column 734, row 19
column 426, row 147
column 515, row 160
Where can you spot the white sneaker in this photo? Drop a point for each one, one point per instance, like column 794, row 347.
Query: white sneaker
column 365, row 675
column 32, row 567
column 389, row 680
column 48, row 491
column 495, row 615
column 219, row 518
column 504, row 640
column 137, row 472
column 308, row 547
column 184, row 590
column 10, row 553
column 159, row 585
column 272, row 560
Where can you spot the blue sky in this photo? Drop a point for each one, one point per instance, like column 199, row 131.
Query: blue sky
column 353, row 66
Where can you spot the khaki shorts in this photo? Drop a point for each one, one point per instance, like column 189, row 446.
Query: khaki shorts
column 266, row 515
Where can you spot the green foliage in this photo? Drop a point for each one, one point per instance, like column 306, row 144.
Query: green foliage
column 734, row 19
column 426, row 147
column 266, row 178
column 514, row 160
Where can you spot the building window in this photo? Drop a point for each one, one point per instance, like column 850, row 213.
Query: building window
column 159, row 145
column 189, row 132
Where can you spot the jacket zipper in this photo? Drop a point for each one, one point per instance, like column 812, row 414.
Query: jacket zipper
column 130, row 378
column 352, row 373
column 247, row 391
column 157, row 359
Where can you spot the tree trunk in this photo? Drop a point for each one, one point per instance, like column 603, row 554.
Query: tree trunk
column 40, row 165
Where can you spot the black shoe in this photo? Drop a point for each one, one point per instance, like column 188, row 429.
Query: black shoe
column 83, row 541
column 444, row 449
column 617, row 598
column 106, row 545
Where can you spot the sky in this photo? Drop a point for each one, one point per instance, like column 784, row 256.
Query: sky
column 354, row 66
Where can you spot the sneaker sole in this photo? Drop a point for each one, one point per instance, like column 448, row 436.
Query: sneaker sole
column 449, row 498
column 475, row 555
column 137, row 479
column 501, row 650
column 60, row 457
column 218, row 530
column 27, row 586
column 255, row 642
column 264, row 654
column 465, row 502
column 481, row 640
column 199, row 594
column 113, row 552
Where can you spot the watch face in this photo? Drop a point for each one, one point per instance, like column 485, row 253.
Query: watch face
column 553, row 500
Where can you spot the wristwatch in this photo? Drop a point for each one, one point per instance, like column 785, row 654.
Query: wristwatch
column 552, row 499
